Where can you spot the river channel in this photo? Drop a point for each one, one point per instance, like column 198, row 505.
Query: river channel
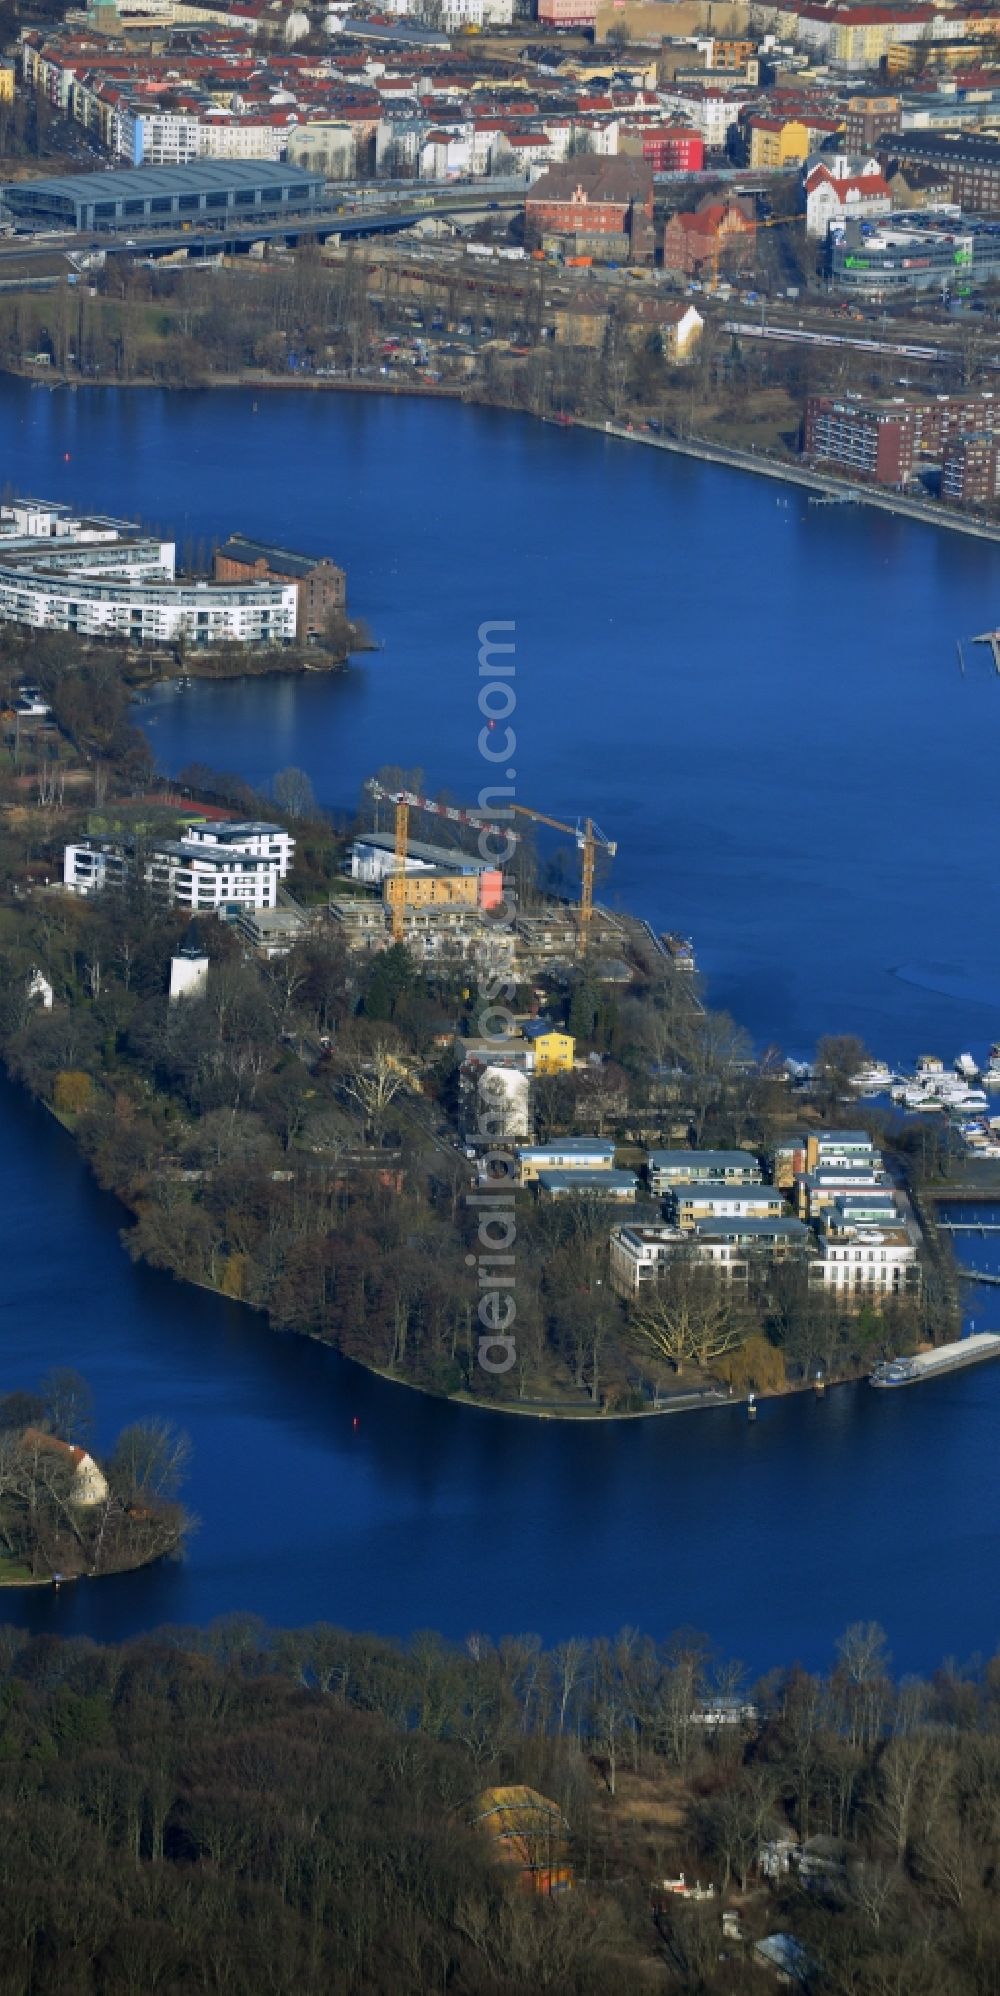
column 760, row 700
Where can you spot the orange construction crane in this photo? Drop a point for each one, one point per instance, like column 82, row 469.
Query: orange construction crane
column 588, row 837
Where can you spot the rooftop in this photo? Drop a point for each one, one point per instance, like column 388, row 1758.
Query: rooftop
column 141, row 182
column 780, row 1228
column 569, row 1147
column 282, row 560
column 588, row 1181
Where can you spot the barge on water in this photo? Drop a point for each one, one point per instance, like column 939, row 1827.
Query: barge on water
column 929, row 1364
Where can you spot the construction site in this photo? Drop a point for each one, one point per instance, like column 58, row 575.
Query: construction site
column 449, row 902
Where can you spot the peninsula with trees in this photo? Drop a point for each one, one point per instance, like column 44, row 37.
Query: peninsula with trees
column 307, row 1151
column 90, row 578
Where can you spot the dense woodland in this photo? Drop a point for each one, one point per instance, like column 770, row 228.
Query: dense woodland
column 233, row 1809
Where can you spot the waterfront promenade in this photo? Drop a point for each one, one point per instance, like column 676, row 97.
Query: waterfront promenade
column 840, row 490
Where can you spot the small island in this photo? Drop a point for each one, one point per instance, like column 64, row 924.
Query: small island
column 64, row 1514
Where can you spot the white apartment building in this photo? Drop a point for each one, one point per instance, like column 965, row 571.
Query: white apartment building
column 866, row 1259
column 691, row 1203
column 263, row 841
column 187, row 875
column 93, row 865
column 639, row 1254
column 58, row 573
column 207, row 876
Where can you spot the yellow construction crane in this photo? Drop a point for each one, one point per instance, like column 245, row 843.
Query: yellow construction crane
column 588, row 837
column 405, row 801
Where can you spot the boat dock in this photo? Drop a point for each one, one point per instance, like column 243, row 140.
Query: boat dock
column 930, row 1364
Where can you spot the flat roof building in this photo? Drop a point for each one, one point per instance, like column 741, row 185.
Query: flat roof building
column 702, row 1167
column 154, row 196
column 588, row 1184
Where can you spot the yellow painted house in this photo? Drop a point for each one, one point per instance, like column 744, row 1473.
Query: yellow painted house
column 553, row 1052
column 6, row 83
column 777, row 142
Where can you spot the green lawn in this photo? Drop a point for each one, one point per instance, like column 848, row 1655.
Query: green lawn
column 14, row 1573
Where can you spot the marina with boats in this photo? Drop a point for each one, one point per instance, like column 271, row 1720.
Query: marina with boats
column 960, row 1092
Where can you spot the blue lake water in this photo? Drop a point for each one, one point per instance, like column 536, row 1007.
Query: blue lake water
column 760, row 702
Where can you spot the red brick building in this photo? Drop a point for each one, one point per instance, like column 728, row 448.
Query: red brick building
column 594, row 197
column 718, row 236
column 320, row 585
column 869, row 440
column 883, row 440
column 970, row 471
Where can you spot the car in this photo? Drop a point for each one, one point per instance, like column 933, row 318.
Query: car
column 130, row 242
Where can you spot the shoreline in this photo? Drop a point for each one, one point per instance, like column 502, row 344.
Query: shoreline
column 840, row 491
column 697, row 1401
column 827, row 485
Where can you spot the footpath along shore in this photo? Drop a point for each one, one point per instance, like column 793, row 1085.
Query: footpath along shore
column 831, row 488
column 841, row 490
column 836, row 490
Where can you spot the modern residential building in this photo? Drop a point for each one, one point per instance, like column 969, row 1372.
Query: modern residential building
column 970, row 471
column 573, row 1184
column 99, row 578
column 817, row 1191
column 223, row 876
column 641, row 1254
column 667, row 1168
column 688, row 1204
column 251, row 835
column 734, row 1247
column 94, row 864
column 865, row 1258
column 588, row 1154
column 840, row 1147
column 638, row 1254
column 881, row 441
column 873, row 441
